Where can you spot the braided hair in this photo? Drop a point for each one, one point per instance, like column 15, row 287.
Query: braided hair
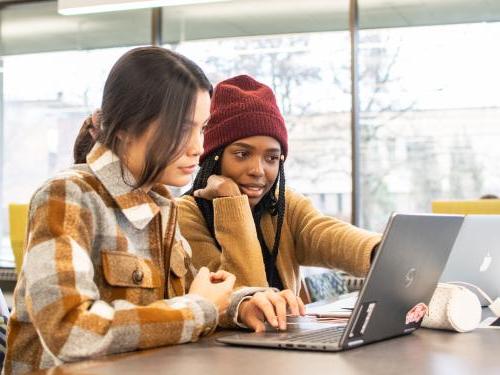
column 269, row 203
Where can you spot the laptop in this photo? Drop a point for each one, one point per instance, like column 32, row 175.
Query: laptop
column 402, row 279
column 475, row 257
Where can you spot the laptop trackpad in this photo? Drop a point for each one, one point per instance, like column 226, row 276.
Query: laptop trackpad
column 300, row 323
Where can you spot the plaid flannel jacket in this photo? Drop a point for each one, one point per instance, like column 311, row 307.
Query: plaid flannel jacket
column 105, row 271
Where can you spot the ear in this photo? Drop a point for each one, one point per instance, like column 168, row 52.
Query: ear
column 96, row 118
column 123, row 137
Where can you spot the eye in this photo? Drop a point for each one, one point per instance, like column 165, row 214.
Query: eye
column 203, row 128
column 241, row 154
column 272, row 158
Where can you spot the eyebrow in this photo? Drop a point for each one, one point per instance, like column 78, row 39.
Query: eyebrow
column 246, row 145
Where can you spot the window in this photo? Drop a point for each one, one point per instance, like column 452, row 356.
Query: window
column 46, row 98
column 309, row 74
column 429, row 117
column 429, row 106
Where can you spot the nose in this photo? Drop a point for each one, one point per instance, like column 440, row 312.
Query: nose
column 256, row 168
column 195, row 144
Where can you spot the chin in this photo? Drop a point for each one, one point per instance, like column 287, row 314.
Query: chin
column 176, row 182
column 253, row 202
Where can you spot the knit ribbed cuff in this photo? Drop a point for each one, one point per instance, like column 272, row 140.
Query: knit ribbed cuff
column 367, row 253
column 231, row 209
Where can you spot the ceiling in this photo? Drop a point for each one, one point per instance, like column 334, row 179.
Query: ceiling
column 37, row 26
column 18, row 1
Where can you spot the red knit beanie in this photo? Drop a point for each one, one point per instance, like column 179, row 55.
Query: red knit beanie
column 242, row 107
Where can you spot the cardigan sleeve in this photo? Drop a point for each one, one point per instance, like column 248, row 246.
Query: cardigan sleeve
column 239, row 252
column 63, row 302
column 325, row 241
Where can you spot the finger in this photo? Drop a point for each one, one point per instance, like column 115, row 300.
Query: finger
column 215, row 277
column 203, row 272
column 221, row 275
column 302, row 307
column 229, row 283
column 225, row 281
column 254, row 320
column 280, row 307
column 229, row 280
column 291, row 300
column 266, row 307
column 96, row 117
column 255, row 324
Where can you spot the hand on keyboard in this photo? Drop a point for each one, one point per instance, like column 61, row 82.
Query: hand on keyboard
column 272, row 307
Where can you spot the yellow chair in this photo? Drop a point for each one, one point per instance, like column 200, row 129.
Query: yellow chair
column 467, row 207
column 18, row 222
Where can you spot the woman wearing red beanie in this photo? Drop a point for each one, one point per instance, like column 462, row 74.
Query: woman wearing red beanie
column 240, row 217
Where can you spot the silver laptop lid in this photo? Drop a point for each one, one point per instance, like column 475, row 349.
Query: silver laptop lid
column 475, row 257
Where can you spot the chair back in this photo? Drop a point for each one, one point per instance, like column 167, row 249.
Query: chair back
column 467, row 207
column 18, row 222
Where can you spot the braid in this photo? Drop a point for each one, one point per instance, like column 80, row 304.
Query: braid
column 275, row 206
column 280, row 207
column 210, row 166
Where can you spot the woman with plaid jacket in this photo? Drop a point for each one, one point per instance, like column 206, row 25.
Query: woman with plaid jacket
column 106, row 269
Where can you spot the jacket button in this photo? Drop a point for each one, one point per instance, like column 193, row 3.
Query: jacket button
column 137, row 276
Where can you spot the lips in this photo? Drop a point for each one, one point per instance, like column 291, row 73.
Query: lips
column 188, row 169
column 252, row 190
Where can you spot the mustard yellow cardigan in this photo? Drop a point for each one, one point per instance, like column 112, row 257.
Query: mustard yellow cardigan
column 308, row 238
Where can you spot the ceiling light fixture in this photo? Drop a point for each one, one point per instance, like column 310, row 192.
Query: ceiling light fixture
column 73, row 7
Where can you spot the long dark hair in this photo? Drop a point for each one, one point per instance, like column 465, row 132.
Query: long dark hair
column 147, row 84
column 272, row 202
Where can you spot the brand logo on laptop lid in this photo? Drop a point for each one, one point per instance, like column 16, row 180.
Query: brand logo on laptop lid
column 486, row 263
column 410, row 277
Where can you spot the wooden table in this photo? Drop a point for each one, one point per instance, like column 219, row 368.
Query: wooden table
column 424, row 352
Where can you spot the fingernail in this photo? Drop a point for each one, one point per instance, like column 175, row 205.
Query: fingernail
column 275, row 322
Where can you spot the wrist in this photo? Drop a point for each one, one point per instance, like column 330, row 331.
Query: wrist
column 242, row 306
column 230, row 191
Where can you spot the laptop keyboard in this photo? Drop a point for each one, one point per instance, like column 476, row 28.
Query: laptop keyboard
column 324, row 336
